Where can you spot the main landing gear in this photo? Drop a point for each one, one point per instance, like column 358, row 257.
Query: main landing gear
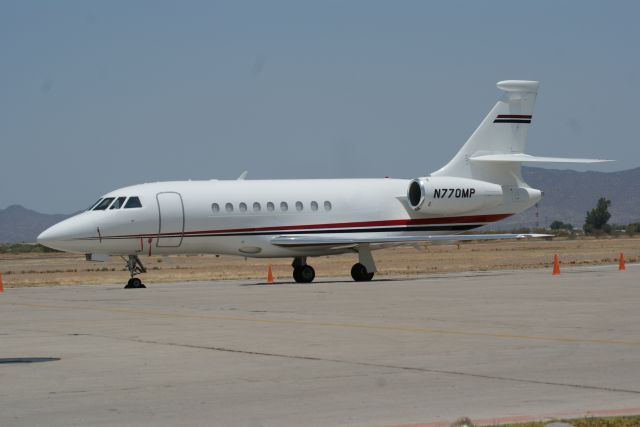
column 360, row 274
column 365, row 268
column 134, row 265
column 302, row 272
column 362, row 271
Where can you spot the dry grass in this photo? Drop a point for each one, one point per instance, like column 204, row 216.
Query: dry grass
column 55, row 269
column 630, row 421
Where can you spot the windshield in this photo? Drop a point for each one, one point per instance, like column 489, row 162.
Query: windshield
column 118, row 203
column 94, row 204
column 104, row 204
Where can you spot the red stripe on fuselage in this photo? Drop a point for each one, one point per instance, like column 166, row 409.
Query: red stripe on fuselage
column 471, row 219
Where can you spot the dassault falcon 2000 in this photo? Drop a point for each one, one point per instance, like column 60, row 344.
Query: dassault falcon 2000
column 306, row 218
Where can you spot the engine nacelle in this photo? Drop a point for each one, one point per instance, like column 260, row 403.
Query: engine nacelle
column 448, row 195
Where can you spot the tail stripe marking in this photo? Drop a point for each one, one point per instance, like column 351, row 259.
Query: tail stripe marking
column 512, row 118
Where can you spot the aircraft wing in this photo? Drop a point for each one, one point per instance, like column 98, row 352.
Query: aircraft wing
column 297, row 240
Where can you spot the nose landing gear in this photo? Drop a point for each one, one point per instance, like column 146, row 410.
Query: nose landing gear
column 134, row 265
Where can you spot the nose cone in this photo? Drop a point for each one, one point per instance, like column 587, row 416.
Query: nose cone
column 45, row 237
column 52, row 235
column 65, row 235
column 55, row 236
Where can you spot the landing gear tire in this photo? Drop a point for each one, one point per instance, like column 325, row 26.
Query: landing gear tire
column 134, row 265
column 134, row 283
column 360, row 274
column 304, row 274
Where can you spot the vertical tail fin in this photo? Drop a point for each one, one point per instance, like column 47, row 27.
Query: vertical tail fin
column 503, row 131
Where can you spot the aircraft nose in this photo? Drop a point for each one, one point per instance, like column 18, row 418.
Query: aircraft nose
column 63, row 235
column 44, row 237
column 54, row 234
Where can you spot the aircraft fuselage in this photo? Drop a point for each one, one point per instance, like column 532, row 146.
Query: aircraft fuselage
column 241, row 217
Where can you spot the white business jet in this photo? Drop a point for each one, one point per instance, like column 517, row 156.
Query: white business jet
column 305, row 218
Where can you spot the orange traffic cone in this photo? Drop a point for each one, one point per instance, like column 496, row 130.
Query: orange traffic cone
column 1, row 287
column 269, row 276
column 620, row 265
column 556, row 266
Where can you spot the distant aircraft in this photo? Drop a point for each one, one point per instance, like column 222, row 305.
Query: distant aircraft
column 305, row 218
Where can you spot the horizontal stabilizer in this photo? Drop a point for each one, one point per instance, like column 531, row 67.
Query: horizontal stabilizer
column 526, row 158
column 346, row 241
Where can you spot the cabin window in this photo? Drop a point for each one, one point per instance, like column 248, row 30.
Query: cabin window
column 133, row 202
column 284, row 206
column 228, row 207
column 215, row 208
column 270, row 206
column 299, row 206
column 242, row 207
column 257, row 207
column 327, row 205
column 314, row 206
column 95, row 204
column 104, row 204
column 118, row 203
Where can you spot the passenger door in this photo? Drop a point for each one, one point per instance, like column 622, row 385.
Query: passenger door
column 171, row 219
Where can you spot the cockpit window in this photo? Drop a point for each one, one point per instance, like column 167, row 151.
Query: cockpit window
column 118, row 203
column 133, row 202
column 95, row 204
column 104, row 204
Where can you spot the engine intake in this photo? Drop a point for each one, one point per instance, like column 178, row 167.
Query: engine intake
column 416, row 193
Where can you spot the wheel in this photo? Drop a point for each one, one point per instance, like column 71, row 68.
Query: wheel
column 134, row 283
column 360, row 274
column 304, row 274
column 307, row 274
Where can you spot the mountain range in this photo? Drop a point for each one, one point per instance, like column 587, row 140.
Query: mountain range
column 568, row 195
column 19, row 224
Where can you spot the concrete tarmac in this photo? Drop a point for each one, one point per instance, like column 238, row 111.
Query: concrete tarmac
column 333, row 353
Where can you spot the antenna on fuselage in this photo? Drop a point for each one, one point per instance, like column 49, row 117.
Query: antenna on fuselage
column 243, row 176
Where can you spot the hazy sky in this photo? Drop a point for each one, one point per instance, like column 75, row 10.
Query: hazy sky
column 96, row 95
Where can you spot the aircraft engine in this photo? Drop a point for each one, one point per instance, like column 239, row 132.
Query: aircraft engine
column 449, row 195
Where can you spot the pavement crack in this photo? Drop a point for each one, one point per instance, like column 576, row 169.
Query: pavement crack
column 376, row 365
